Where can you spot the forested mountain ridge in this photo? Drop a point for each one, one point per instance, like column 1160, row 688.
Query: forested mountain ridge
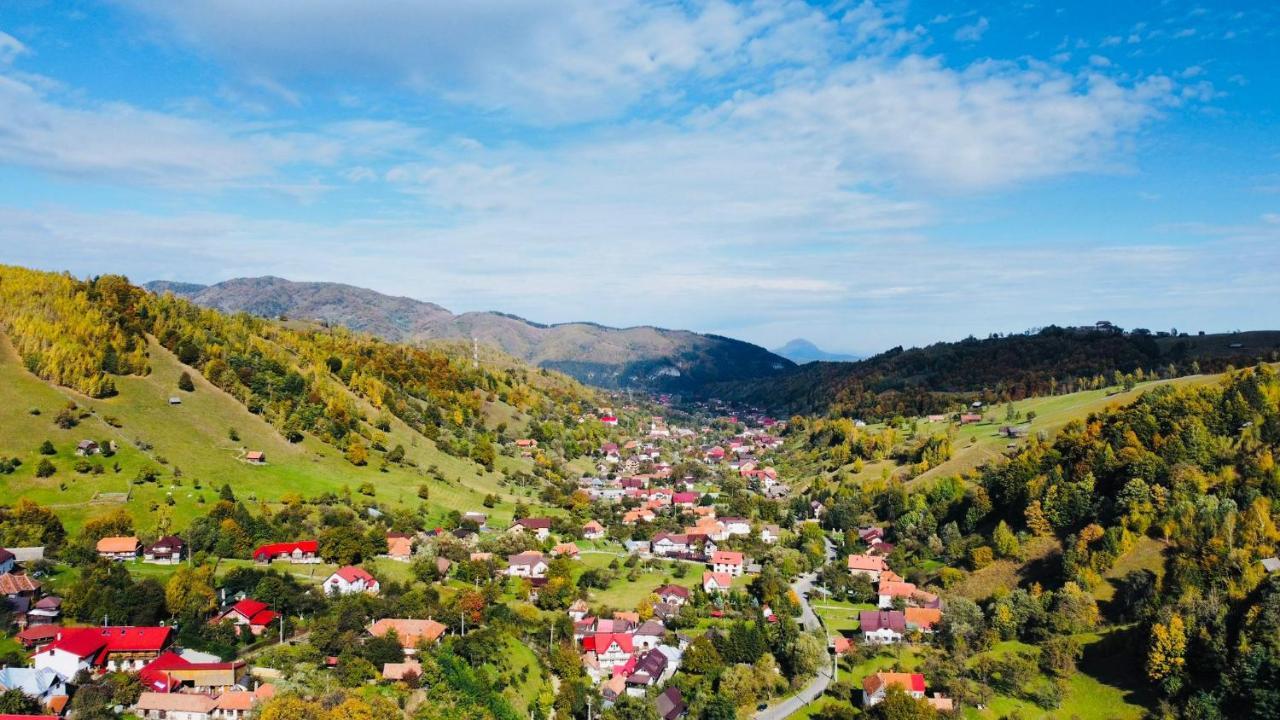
column 644, row 357
column 945, row 376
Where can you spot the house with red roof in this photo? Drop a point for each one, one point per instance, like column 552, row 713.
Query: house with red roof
column 685, row 499
column 253, row 614
column 301, row 551
column 351, row 579
column 728, row 562
column 610, row 649
column 714, row 582
column 173, row 673
column 609, row 420
column 111, row 648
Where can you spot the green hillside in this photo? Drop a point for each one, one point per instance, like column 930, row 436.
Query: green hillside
column 194, row 438
column 335, row 413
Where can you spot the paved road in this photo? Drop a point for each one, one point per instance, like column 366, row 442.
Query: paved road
column 809, row 620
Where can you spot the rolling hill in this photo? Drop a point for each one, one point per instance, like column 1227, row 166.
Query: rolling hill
column 644, row 357
column 305, row 398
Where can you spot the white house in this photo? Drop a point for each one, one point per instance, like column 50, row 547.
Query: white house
column 882, row 627
column 728, row 562
column 649, row 634
column 770, row 534
column 351, row 579
column 736, row 525
column 529, row 564
column 714, row 582
column 669, row 543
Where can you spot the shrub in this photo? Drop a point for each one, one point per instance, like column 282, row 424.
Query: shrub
column 45, row 468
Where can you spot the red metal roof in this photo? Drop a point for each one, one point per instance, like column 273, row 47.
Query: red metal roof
column 285, row 548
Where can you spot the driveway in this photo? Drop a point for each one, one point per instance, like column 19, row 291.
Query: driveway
column 809, row 620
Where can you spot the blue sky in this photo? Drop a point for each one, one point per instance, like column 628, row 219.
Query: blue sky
column 861, row 174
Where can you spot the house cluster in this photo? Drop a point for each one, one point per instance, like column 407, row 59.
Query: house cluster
column 625, row 655
column 890, row 586
column 175, row 684
column 30, row 610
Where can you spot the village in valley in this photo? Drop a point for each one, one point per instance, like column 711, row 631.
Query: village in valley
column 680, row 542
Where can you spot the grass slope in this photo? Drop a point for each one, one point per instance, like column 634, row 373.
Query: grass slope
column 195, row 438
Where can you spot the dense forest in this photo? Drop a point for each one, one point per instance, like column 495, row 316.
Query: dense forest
column 944, row 376
column 83, row 333
column 1190, row 470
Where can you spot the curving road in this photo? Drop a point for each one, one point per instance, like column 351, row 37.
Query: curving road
column 809, row 620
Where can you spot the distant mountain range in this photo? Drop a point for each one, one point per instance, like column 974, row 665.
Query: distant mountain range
column 801, row 351
column 941, row 376
column 642, row 357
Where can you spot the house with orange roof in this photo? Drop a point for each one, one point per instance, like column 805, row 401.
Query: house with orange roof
column 868, row 565
column 875, row 686
column 399, row 547
column 569, row 550
column 119, row 547
column 411, row 632
column 592, row 530
column 923, row 619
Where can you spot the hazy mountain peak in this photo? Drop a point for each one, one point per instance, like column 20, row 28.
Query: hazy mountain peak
column 803, row 351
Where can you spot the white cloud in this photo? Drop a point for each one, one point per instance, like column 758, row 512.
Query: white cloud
column 565, row 60
column 10, row 48
column 987, row 125
column 973, row 32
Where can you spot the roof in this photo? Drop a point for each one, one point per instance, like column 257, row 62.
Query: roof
column 255, row 611
column 868, row 563
column 353, row 574
column 910, row 682
column 535, row 523
column 670, row 703
column 873, row 620
column 923, row 617
column 30, row 681
column 11, row 584
column 410, row 631
column 399, row 546
column 651, row 627
column 6, row 556
column 721, row 580
column 529, row 557
column 600, row 642
column 726, row 557
column 118, row 544
column 180, row 702
column 99, row 642
column 236, row 700
column 897, row 589
column 398, row 671
column 286, row 548
column 38, row 633
column 677, row 590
